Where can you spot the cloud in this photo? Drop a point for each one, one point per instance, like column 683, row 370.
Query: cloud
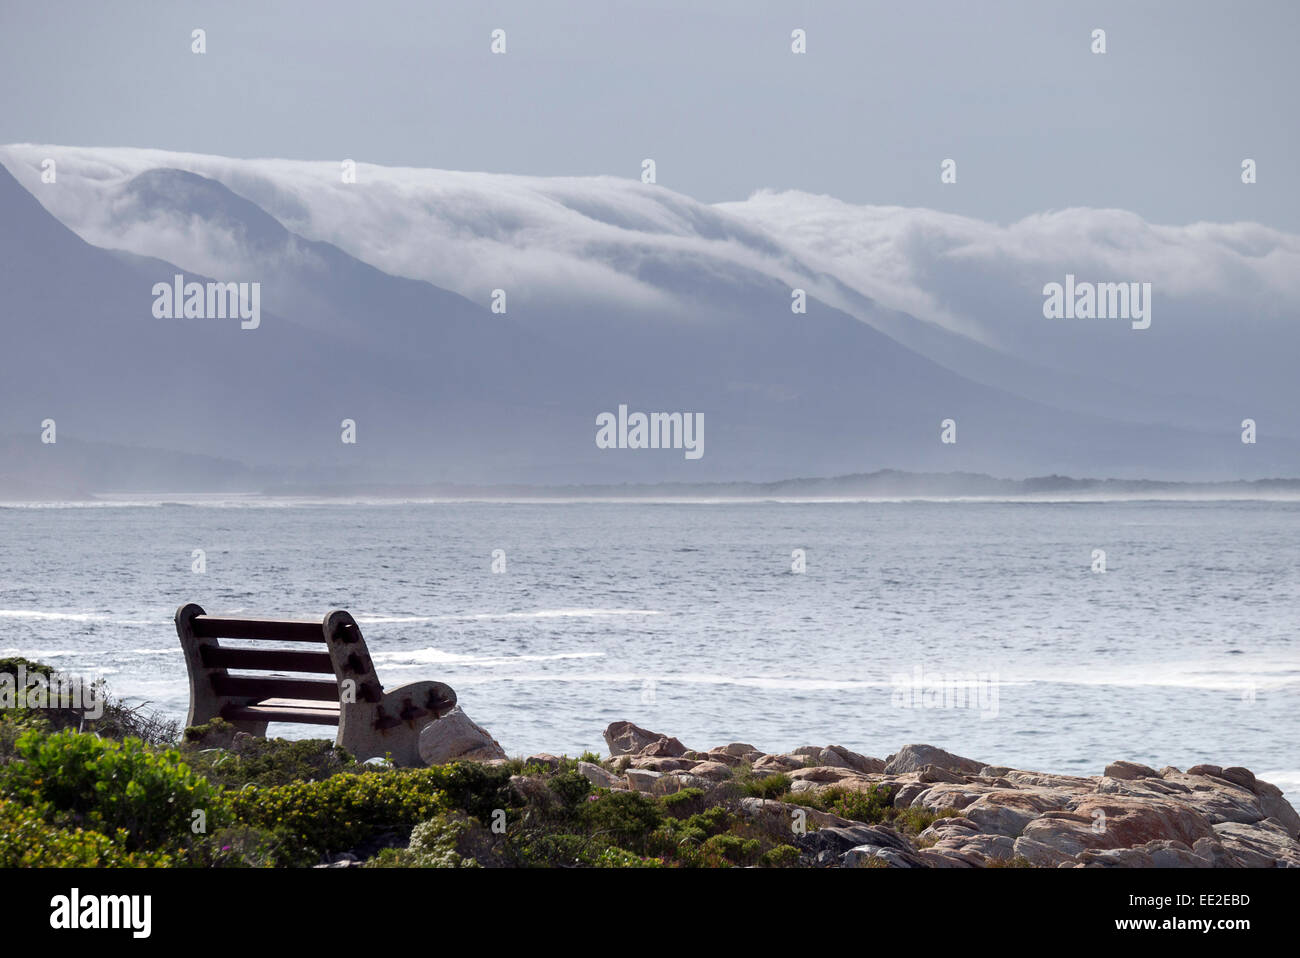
column 551, row 241
column 1226, row 295
column 941, row 267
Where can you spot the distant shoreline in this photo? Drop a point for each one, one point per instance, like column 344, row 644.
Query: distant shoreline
column 883, row 486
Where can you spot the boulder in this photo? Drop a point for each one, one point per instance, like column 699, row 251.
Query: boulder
column 838, row 839
column 1063, row 783
column 1039, row 853
column 827, row 774
column 1274, row 806
column 1008, row 811
column 731, row 761
column 740, row 750
column 912, row 758
column 544, row 759
column 935, row 798
column 780, row 817
column 946, row 858
column 772, row 764
column 624, row 738
column 866, row 855
column 931, row 774
column 944, row 827
column 661, row 764
column 664, row 747
column 454, row 737
column 1240, row 776
column 642, row 779
column 600, row 777
column 1130, row 770
column 840, row 757
column 712, row 771
column 1113, row 821
column 1158, row 854
column 975, row 848
column 1264, row 844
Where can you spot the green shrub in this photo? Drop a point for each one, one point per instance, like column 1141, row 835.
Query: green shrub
column 782, row 856
column 770, row 786
column 473, row 787
column 27, row 840
column 572, row 788
column 313, row 819
column 732, row 849
column 870, row 805
column 917, row 820
column 85, row 781
column 618, row 858
column 625, row 819
column 684, row 803
column 438, row 843
column 273, row 761
column 1019, row 861
column 241, row 846
column 116, row 719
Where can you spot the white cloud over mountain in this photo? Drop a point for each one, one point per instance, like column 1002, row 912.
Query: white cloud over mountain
column 915, row 260
column 635, row 287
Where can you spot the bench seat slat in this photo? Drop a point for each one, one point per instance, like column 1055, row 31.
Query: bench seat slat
column 270, row 630
column 266, row 660
column 283, row 711
column 269, row 687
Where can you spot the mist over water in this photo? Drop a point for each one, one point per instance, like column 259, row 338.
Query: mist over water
column 687, row 618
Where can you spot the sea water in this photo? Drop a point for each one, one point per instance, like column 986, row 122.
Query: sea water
column 986, row 628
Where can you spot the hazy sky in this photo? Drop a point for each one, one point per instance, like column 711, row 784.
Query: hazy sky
column 710, row 90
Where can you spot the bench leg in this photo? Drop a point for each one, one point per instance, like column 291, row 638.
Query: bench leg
column 401, row 744
column 257, row 729
column 393, row 725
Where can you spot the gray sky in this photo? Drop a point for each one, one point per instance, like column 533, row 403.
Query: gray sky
column 710, row 90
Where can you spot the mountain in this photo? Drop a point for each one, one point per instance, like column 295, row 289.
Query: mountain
column 617, row 292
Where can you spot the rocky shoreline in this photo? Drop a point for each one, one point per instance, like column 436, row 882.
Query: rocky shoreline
column 984, row 815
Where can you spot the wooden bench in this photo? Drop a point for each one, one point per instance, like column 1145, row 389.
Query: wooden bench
column 371, row 722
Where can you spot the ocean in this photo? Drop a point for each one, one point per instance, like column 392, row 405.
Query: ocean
column 978, row 626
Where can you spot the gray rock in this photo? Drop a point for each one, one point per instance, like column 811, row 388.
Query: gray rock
column 1039, row 853
column 712, row 771
column 1264, row 844
column 913, row 758
column 1130, row 770
column 862, row 855
column 624, row 738
column 642, row 779
column 600, row 777
column 772, row 764
column 1156, row 854
column 454, row 737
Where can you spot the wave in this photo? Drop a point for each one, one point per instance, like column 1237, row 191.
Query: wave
column 439, row 657
column 505, row 616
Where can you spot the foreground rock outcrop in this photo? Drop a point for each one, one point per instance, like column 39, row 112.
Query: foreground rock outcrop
column 978, row 815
